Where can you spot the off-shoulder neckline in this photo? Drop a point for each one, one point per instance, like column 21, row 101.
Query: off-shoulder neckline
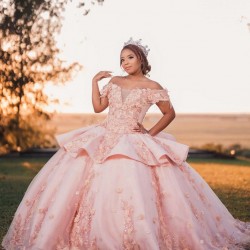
column 136, row 88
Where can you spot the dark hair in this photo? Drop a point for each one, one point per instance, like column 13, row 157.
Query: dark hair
column 145, row 67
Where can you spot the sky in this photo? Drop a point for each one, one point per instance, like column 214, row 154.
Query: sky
column 199, row 51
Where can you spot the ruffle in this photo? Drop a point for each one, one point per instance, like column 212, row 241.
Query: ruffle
column 101, row 145
column 67, row 137
column 156, row 95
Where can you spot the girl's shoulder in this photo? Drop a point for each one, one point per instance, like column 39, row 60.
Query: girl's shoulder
column 154, row 85
column 116, row 79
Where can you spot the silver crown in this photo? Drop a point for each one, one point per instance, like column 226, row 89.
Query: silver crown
column 144, row 49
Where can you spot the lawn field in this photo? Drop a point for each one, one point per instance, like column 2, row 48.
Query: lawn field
column 229, row 179
column 231, row 183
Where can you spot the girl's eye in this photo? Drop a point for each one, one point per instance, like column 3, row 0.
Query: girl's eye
column 131, row 57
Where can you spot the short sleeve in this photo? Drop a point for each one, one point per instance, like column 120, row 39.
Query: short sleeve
column 105, row 90
column 156, row 95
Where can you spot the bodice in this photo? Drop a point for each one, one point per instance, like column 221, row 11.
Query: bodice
column 129, row 106
column 115, row 135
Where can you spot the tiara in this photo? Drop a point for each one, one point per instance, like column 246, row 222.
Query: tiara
column 144, row 49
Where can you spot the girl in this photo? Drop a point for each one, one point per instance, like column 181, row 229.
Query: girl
column 116, row 185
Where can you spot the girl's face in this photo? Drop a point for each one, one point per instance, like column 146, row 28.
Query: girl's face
column 130, row 62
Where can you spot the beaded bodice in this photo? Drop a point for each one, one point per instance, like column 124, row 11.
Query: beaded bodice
column 116, row 134
column 129, row 106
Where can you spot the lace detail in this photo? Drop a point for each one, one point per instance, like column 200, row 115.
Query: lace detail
column 80, row 234
column 107, row 143
column 156, row 95
column 75, row 145
column 22, row 224
column 129, row 230
column 167, row 239
column 144, row 152
column 123, row 116
column 105, row 90
column 173, row 157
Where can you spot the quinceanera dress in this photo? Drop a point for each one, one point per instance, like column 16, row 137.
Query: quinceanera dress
column 111, row 188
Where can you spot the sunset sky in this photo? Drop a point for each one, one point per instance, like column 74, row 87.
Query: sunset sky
column 199, row 51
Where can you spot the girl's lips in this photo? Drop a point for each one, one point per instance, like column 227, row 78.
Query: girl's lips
column 127, row 68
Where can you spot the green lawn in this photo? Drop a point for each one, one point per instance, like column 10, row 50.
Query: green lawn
column 230, row 179
column 15, row 176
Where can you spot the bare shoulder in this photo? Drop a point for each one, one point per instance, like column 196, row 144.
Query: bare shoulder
column 116, row 79
column 154, row 85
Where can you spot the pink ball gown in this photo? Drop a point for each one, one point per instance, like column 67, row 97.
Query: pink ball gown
column 111, row 188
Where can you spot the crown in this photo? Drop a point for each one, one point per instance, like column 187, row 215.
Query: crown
column 144, row 49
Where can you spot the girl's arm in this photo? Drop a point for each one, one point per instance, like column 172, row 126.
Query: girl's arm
column 99, row 103
column 168, row 116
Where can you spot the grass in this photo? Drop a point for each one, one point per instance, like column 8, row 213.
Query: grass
column 233, row 161
column 230, row 179
column 15, row 176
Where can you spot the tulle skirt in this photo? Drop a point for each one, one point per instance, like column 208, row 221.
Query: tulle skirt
column 138, row 194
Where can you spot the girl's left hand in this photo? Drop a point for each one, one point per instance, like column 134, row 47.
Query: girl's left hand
column 140, row 128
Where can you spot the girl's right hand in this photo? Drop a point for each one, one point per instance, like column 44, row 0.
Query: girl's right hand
column 102, row 74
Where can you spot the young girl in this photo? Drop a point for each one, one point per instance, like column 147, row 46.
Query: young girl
column 116, row 185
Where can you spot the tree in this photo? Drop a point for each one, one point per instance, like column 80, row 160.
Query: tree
column 29, row 60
